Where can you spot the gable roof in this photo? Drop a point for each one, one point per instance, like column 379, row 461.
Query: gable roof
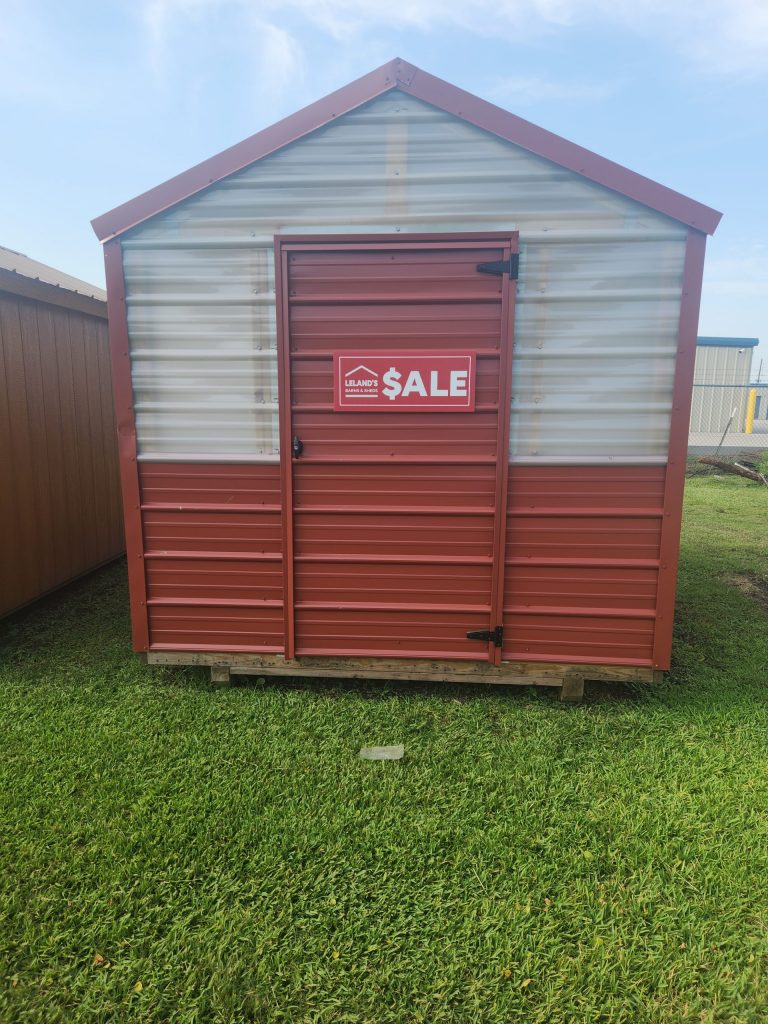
column 397, row 74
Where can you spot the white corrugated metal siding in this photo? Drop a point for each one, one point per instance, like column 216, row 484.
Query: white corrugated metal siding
column 598, row 298
column 723, row 364
column 720, row 387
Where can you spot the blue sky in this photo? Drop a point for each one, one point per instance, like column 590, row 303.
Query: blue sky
column 101, row 100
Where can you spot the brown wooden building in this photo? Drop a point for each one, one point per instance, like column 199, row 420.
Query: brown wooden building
column 60, row 513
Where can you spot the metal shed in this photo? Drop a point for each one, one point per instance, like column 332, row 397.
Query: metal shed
column 721, row 383
column 403, row 388
column 60, row 507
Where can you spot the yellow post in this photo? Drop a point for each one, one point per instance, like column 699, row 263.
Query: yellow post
column 751, row 403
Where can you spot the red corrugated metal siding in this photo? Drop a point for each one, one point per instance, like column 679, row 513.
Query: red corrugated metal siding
column 212, row 538
column 582, row 563
column 60, row 512
column 221, row 587
column 209, row 627
column 394, row 515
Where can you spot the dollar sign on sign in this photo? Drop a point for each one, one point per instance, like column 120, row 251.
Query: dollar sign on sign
column 393, row 388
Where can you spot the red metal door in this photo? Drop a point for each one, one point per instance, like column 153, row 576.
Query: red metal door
column 394, row 512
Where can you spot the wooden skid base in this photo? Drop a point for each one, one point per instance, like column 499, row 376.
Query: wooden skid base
column 569, row 678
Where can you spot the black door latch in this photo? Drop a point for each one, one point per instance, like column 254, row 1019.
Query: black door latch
column 297, row 447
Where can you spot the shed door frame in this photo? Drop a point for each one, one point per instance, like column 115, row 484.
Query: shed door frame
column 284, row 245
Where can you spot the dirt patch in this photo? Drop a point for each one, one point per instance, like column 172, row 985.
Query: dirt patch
column 752, row 585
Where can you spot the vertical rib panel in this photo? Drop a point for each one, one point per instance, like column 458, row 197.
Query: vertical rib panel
column 60, row 511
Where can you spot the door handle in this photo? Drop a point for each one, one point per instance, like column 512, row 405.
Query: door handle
column 297, row 447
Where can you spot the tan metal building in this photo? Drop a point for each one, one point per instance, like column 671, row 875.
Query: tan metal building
column 721, row 383
column 60, row 512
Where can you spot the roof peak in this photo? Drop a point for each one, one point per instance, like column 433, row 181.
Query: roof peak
column 399, row 74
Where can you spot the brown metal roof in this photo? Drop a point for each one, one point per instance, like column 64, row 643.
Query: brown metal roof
column 397, row 74
column 20, row 264
column 26, row 277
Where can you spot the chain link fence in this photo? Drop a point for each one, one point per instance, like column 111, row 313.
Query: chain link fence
column 729, row 416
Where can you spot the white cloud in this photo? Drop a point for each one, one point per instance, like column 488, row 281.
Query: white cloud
column 521, row 89
column 720, row 36
column 164, row 18
column 282, row 58
column 740, row 42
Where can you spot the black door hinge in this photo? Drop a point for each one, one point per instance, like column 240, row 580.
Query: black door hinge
column 499, row 267
column 496, row 635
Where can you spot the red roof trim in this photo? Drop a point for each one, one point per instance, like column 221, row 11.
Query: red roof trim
column 560, row 151
column 423, row 86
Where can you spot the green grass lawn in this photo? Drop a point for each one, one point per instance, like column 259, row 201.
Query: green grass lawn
column 174, row 852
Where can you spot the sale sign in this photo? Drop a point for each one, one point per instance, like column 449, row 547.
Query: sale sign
column 404, row 382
